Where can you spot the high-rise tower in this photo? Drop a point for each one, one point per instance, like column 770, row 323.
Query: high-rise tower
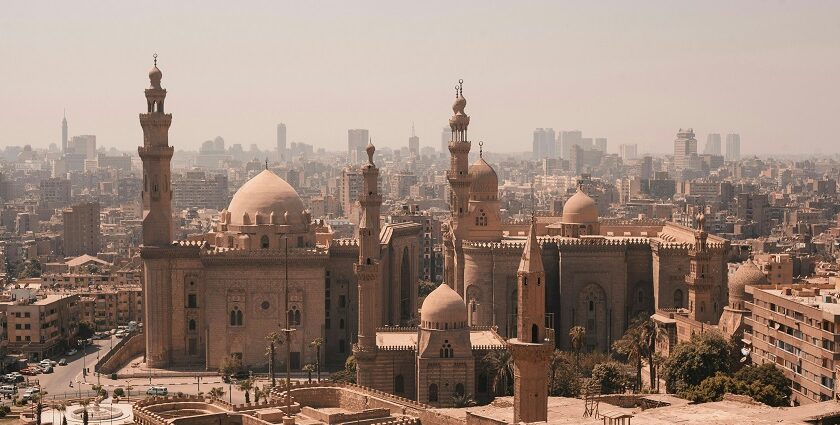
column 64, row 133
column 156, row 155
column 281, row 141
column 531, row 349
column 367, row 269
column 459, row 181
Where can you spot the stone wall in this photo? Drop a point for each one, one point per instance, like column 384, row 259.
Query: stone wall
column 125, row 351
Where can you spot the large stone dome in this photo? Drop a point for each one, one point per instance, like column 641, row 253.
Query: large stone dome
column 747, row 274
column 485, row 180
column 444, row 309
column 580, row 208
column 265, row 194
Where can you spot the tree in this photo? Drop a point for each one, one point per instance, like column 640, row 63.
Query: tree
column 85, row 330
column 85, row 403
column 693, row 361
column 119, row 392
column 309, row 368
column 610, row 377
column 246, row 385
column 563, row 378
column 349, row 372
column 766, row 384
column 499, row 364
column 425, row 287
column 257, row 394
column 651, row 335
column 632, row 346
column 317, row 343
column 274, row 339
column 217, row 393
column 230, row 365
column 39, row 409
column 577, row 335
column 30, row 268
column 62, row 408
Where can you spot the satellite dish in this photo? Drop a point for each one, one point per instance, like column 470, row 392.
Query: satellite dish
column 745, row 351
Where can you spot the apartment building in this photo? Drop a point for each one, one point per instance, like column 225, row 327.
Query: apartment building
column 43, row 327
column 797, row 327
column 112, row 307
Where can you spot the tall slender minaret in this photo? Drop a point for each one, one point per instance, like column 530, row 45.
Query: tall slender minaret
column 64, row 133
column 156, row 252
column 367, row 270
column 459, row 181
column 156, row 155
column 701, row 279
column 531, row 350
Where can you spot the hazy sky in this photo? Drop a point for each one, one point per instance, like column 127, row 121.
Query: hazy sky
column 631, row 71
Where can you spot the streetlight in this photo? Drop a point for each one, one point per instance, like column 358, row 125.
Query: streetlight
column 287, row 330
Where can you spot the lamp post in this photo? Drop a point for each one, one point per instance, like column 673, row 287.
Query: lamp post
column 287, row 329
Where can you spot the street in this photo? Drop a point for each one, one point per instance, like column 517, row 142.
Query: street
column 58, row 382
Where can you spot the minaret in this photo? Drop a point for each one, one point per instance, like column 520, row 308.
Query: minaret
column 64, row 133
column 367, row 270
column 700, row 280
column 531, row 350
column 156, row 155
column 459, row 181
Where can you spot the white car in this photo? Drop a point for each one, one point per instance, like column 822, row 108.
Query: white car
column 72, row 352
column 157, row 390
column 8, row 390
column 30, row 393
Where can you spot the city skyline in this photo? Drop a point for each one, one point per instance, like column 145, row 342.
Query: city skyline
column 660, row 67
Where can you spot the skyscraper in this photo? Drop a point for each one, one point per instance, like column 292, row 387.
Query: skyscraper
column 357, row 139
column 601, row 144
column 64, row 134
column 685, row 146
column 733, row 147
column 569, row 139
column 281, row 140
column 543, row 144
column 414, row 143
column 628, row 152
column 712, row 144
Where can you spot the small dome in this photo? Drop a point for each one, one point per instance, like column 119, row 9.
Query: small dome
column 484, row 178
column 155, row 76
column 747, row 274
column 266, row 194
column 459, row 105
column 443, row 305
column 580, row 208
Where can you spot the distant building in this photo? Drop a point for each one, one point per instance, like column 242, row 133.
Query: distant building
column 64, row 134
column 281, row 141
column 81, row 229
column 444, row 140
column 733, row 147
column 83, row 145
column 601, row 144
column 119, row 162
column 414, row 143
column 712, row 146
column 543, row 145
column 685, row 147
column 199, row 189
column 55, row 192
column 351, row 187
column 569, row 139
column 357, row 139
column 628, row 152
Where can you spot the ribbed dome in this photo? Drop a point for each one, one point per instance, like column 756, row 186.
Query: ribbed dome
column 580, row 208
column 266, row 193
column 747, row 274
column 484, row 177
column 443, row 305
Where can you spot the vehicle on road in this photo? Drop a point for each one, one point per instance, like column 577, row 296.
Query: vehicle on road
column 13, row 377
column 47, row 368
column 30, row 371
column 157, row 390
column 30, row 393
column 72, row 352
column 8, row 389
column 62, row 362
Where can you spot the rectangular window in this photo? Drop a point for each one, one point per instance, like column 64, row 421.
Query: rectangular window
column 192, row 301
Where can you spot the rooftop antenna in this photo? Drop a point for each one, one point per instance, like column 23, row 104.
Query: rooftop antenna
column 266, row 163
column 412, row 129
column 533, row 202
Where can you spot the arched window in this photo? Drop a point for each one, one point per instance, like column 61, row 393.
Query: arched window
column 293, row 315
column 702, row 306
column 459, row 389
column 264, row 242
column 446, row 351
column 233, row 316
column 238, row 317
column 433, row 393
column 297, row 317
column 678, row 298
column 399, row 384
column 591, row 305
column 535, row 333
column 192, row 325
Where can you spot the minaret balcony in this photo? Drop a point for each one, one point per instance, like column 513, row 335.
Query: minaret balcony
column 156, row 151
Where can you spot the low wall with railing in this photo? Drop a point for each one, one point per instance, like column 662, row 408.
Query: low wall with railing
column 126, row 350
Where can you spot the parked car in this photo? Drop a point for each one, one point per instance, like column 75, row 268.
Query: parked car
column 8, row 390
column 47, row 368
column 62, row 362
column 30, row 393
column 72, row 352
column 30, row 371
column 14, row 377
column 157, row 390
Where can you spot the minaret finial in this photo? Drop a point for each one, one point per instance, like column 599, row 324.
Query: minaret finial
column 461, row 87
column 533, row 203
column 370, row 150
column 266, row 163
column 481, row 149
column 155, row 56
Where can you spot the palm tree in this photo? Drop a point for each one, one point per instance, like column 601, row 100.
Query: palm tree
column 651, row 334
column 577, row 335
column 85, row 403
column 634, row 347
column 257, row 394
column 62, row 407
column 500, row 365
column 217, row 393
column 246, row 385
column 309, row 368
column 316, row 343
column 274, row 339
